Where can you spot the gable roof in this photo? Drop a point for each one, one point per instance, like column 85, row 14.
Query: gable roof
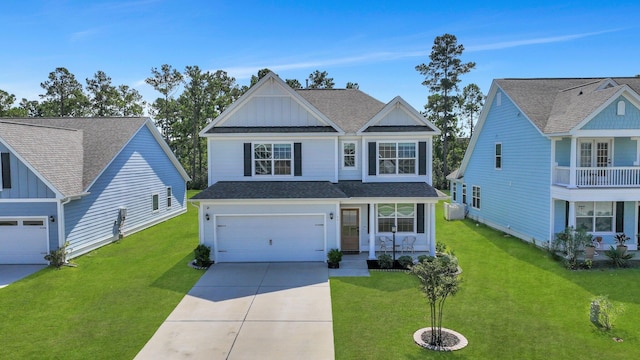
column 72, row 152
column 557, row 105
column 417, row 121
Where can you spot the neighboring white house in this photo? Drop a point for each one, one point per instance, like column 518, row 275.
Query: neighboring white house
column 87, row 181
column 552, row 153
column 294, row 173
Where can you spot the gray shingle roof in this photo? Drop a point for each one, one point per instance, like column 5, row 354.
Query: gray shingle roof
column 358, row 189
column 101, row 140
column 271, row 190
column 559, row 104
column 350, row 109
column 269, row 129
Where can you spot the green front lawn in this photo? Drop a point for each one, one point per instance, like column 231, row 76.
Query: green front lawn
column 110, row 305
column 515, row 303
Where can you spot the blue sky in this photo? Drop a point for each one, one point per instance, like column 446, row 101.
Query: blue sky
column 374, row 43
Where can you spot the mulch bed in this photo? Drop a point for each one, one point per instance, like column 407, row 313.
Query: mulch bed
column 373, row 265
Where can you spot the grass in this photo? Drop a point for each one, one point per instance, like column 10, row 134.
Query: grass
column 107, row 307
column 514, row 303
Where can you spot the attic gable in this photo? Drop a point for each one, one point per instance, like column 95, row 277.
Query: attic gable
column 398, row 116
column 268, row 105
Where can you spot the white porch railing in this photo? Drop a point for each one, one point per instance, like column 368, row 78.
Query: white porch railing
column 619, row 176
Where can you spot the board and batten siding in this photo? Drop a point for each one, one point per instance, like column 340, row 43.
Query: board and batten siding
column 226, row 159
column 608, row 119
column 517, row 197
column 24, row 183
column 140, row 170
column 34, row 209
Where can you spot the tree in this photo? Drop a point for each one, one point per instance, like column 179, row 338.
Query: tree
column 352, row 85
column 165, row 81
column 64, row 95
column 102, row 95
column 30, row 108
column 471, row 101
column 438, row 280
column 129, row 102
column 293, row 83
column 320, row 80
column 442, row 76
column 261, row 73
column 7, row 109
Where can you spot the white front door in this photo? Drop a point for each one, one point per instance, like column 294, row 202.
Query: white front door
column 256, row 238
column 23, row 240
column 595, row 153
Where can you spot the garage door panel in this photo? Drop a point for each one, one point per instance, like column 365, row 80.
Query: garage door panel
column 270, row 238
column 23, row 241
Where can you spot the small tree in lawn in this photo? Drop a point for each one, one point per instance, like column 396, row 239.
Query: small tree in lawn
column 439, row 279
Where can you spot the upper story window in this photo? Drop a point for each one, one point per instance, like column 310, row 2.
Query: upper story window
column 5, row 171
column 169, row 196
column 272, row 159
column 396, row 158
column 348, row 155
column 498, row 158
column 464, row 193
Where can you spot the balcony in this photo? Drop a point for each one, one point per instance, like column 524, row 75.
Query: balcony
column 598, row 177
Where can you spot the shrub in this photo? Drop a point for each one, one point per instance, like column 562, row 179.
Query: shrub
column 603, row 312
column 421, row 258
column 385, row 261
column 405, row 261
column 58, row 257
column 619, row 257
column 571, row 242
column 203, row 255
column 441, row 247
column 334, row 256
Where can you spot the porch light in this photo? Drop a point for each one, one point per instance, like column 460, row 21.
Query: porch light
column 206, row 216
column 393, row 229
column 331, row 215
column 52, row 219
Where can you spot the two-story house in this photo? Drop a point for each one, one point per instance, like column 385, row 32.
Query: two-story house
column 294, row 173
column 552, row 153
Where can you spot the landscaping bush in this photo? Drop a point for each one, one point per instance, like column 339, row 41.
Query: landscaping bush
column 385, row 261
column 203, row 255
column 58, row 257
column 603, row 312
column 421, row 258
column 405, row 261
column 619, row 256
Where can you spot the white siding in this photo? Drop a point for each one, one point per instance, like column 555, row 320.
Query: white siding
column 397, row 117
column 350, row 173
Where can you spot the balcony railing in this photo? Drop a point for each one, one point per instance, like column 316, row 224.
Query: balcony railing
column 620, row 176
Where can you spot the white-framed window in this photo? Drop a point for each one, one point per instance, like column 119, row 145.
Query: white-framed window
column 464, row 193
column 397, row 158
column 403, row 216
column 454, row 192
column 272, row 159
column 349, row 155
column 595, row 216
column 169, row 196
column 498, row 157
column 621, row 108
column 475, row 197
column 155, row 202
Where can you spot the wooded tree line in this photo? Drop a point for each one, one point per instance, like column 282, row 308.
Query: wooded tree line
column 191, row 99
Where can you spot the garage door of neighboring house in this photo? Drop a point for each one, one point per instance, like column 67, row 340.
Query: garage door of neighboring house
column 23, row 241
column 270, row 238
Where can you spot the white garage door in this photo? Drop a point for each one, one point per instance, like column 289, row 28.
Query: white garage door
column 270, row 238
column 23, row 241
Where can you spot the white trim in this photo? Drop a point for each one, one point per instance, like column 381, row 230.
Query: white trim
column 474, row 197
column 272, row 175
column 621, row 107
column 624, row 91
column 399, row 103
column 29, row 200
column 397, row 158
column 169, row 197
column 395, row 217
column 342, row 154
column 496, row 156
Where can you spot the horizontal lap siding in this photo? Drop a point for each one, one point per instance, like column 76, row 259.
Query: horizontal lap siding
column 518, row 195
column 24, row 183
column 139, row 171
column 226, row 160
column 624, row 152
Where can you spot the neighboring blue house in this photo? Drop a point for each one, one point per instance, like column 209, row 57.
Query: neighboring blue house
column 551, row 153
column 87, row 181
column 294, row 173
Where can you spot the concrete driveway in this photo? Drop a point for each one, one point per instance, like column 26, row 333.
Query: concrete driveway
column 13, row 273
column 250, row 311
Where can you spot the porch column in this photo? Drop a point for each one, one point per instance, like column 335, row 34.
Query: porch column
column 432, row 229
column 571, row 221
column 372, row 231
column 572, row 162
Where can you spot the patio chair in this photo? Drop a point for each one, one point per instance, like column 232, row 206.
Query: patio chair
column 407, row 244
column 385, row 243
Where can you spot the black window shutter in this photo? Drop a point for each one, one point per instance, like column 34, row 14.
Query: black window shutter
column 420, row 219
column 369, row 216
column 247, row 159
column 6, row 171
column 620, row 217
column 297, row 159
column 566, row 214
column 372, row 158
column 422, row 158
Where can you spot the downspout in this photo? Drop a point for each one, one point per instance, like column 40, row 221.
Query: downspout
column 61, row 226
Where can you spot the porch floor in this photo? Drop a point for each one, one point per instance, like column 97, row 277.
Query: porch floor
column 356, row 264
